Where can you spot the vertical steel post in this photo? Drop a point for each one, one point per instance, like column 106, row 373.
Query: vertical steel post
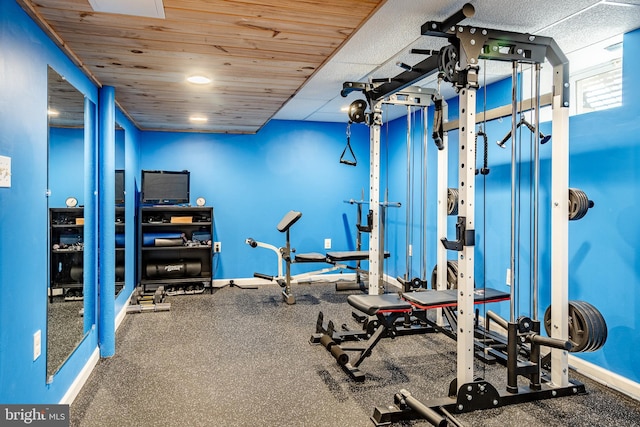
column 376, row 252
column 425, row 182
column 409, row 202
column 536, row 190
column 466, row 258
column 512, row 251
column 559, row 234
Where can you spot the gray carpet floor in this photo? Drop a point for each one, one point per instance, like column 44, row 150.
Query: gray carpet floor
column 242, row 358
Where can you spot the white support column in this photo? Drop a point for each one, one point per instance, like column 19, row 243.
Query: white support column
column 376, row 252
column 559, row 240
column 466, row 258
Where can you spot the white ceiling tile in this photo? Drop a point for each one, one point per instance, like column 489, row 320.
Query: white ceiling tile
column 390, row 34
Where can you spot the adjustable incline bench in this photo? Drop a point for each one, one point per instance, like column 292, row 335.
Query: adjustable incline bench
column 388, row 309
column 336, row 259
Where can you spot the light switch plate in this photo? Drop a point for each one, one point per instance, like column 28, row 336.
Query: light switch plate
column 5, row 171
column 37, row 344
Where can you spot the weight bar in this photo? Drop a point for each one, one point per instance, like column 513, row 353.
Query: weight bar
column 140, row 308
column 405, row 399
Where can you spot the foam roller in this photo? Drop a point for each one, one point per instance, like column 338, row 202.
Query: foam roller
column 189, row 268
column 338, row 353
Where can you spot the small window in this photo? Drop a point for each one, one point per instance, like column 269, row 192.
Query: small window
column 600, row 91
column 596, row 77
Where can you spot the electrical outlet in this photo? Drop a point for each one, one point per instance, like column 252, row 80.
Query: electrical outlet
column 217, row 247
column 327, row 243
column 37, row 344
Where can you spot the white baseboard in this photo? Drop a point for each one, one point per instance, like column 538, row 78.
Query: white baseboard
column 255, row 281
column 605, row 377
column 81, row 379
column 123, row 312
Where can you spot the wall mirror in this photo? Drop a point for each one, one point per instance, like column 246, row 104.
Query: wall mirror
column 65, row 181
column 120, row 209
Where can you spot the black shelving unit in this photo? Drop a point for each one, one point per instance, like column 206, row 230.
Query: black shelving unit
column 120, row 249
column 66, row 237
column 175, row 248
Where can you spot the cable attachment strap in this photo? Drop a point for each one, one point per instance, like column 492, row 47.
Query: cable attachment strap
column 485, row 164
column 438, row 125
column 344, row 160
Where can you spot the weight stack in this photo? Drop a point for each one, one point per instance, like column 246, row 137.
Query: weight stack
column 183, row 268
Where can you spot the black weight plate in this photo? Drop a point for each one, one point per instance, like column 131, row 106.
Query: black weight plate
column 578, row 327
column 452, row 201
column 578, row 204
column 599, row 326
column 582, row 319
column 585, row 316
column 603, row 325
column 452, row 275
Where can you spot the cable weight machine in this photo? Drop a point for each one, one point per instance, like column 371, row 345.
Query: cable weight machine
column 409, row 96
column 458, row 62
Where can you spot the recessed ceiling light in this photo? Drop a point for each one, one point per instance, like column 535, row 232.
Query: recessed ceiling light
column 53, row 113
column 199, row 80
column 197, row 119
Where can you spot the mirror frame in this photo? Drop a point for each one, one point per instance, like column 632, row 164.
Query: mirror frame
column 57, row 85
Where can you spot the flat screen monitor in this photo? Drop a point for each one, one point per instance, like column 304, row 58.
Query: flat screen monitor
column 119, row 187
column 165, row 187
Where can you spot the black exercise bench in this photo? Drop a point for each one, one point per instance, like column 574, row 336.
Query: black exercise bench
column 388, row 310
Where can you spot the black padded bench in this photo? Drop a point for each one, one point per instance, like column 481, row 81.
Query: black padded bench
column 395, row 314
column 310, row 257
column 350, row 256
column 374, row 304
column 449, row 297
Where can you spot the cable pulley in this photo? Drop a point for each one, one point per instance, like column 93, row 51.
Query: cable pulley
column 447, row 62
column 356, row 111
column 579, row 204
column 587, row 327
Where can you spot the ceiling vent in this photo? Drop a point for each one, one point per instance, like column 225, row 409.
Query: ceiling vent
column 145, row 8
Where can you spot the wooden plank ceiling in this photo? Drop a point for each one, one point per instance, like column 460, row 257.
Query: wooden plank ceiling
column 257, row 52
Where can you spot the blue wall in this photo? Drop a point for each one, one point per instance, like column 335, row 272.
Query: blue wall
column 24, row 57
column 66, row 163
column 252, row 181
